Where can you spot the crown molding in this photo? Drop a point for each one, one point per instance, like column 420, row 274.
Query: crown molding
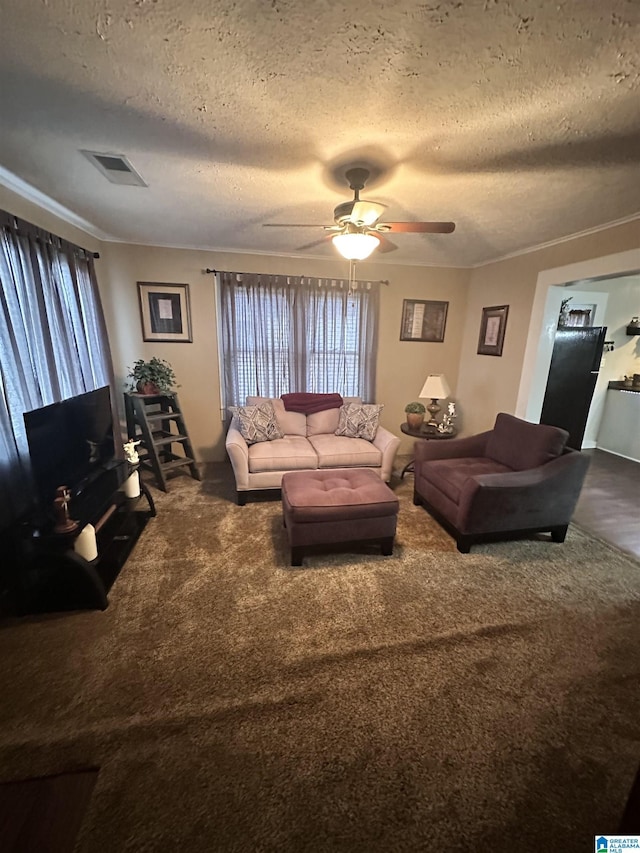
column 559, row 240
column 29, row 193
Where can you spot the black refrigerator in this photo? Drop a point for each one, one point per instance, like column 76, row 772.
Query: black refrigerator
column 573, row 374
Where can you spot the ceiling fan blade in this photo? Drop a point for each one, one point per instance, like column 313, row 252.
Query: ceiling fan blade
column 385, row 244
column 315, row 243
column 290, row 225
column 366, row 212
column 419, row 227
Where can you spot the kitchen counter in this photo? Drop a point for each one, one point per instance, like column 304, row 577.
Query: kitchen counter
column 620, row 427
column 620, row 386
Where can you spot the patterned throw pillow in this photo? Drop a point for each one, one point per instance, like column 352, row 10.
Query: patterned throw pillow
column 257, row 423
column 359, row 420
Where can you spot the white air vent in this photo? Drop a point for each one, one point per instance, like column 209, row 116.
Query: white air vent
column 115, row 167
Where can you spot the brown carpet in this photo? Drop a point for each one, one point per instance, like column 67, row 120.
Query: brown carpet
column 429, row 700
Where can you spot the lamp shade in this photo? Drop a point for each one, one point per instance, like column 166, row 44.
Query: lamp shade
column 435, row 387
column 355, row 246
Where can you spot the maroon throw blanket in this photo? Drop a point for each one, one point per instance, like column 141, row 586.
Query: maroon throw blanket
column 307, row 404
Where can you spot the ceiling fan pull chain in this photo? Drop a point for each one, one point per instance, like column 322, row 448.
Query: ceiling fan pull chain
column 352, row 278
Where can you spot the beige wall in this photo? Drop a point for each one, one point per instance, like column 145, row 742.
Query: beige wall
column 488, row 384
column 401, row 366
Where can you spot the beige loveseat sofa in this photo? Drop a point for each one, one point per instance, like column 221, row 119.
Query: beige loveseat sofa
column 309, row 443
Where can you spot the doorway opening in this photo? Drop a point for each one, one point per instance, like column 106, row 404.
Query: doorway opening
column 583, row 281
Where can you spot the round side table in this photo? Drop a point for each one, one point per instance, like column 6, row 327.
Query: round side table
column 427, row 435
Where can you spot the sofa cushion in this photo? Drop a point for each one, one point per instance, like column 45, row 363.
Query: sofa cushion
column 522, row 445
column 336, row 451
column 291, row 453
column 290, row 423
column 257, row 423
column 359, row 420
column 323, row 423
column 450, row 475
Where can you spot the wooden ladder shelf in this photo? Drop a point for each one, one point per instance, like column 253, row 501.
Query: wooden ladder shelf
column 157, row 420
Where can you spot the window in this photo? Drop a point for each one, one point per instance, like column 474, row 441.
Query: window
column 281, row 334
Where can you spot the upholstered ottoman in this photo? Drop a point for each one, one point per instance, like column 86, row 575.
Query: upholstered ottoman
column 326, row 507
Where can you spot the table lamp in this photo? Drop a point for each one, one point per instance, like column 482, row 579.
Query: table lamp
column 435, row 387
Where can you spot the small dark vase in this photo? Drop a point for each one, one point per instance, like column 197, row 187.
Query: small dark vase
column 147, row 388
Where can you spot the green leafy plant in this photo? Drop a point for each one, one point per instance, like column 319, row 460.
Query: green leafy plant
column 155, row 376
column 415, row 408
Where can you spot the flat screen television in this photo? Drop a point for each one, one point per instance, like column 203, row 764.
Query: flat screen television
column 70, row 443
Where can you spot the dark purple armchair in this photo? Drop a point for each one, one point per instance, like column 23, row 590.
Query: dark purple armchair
column 516, row 479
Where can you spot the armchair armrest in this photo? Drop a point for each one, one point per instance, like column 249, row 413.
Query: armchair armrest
column 526, row 499
column 238, row 451
column 473, row 445
column 388, row 444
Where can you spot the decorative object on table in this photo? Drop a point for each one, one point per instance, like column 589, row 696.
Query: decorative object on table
column 492, row 329
column 636, row 380
column 63, row 522
column 155, row 376
column 446, row 425
column 628, row 381
column 164, row 312
column 132, row 485
column 423, row 320
column 415, row 414
column 634, row 326
column 130, row 452
column 436, row 388
column 85, row 544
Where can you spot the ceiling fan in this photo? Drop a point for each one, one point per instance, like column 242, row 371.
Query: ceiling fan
column 357, row 232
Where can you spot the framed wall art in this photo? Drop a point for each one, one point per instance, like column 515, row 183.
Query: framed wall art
column 423, row 320
column 165, row 311
column 492, row 329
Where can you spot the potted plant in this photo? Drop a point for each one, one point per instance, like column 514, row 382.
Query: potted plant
column 155, row 376
column 415, row 414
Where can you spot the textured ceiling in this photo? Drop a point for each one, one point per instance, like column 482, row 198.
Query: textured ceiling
column 519, row 120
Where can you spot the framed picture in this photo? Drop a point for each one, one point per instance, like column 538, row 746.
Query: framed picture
column 164, row 311
column 492, row 328
column 580, row 315
column 423, row 320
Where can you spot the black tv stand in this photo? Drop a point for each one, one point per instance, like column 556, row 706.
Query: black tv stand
column 50, row 576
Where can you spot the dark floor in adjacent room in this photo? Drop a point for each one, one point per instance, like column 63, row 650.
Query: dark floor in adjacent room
column 609, row 505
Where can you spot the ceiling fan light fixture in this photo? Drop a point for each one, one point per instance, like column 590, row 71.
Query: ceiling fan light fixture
column 355, row 245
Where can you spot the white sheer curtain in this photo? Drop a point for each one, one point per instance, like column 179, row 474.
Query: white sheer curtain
column 53, row 341
column 282, row 334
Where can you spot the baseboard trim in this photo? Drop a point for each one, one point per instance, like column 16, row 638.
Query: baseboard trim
column 614, row 453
